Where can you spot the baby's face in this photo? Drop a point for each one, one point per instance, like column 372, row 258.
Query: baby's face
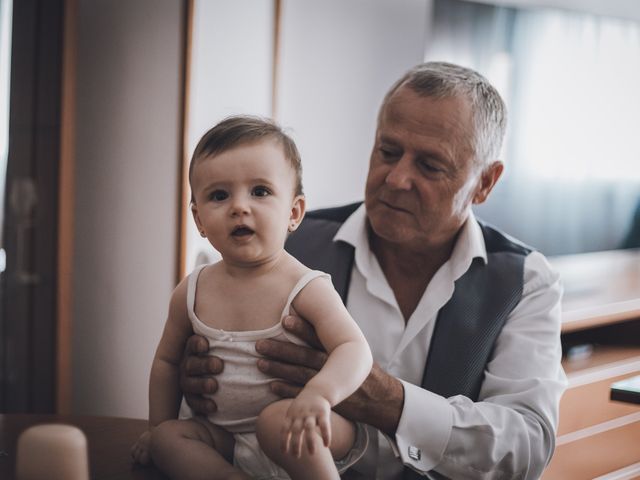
column 245, row 202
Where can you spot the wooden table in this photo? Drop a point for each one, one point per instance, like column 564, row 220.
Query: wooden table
column 109, row 442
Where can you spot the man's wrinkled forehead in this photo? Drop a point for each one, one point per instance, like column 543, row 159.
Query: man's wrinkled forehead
column 407, row 111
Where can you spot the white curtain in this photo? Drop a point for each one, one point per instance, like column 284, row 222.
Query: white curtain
column 571, row 82
column 5, row 63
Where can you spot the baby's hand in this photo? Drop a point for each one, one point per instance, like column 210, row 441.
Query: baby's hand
column 308, row 412
column 140, row 449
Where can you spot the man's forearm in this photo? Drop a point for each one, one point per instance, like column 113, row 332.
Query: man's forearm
column 378, row 402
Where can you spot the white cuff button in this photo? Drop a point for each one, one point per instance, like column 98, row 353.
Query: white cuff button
column 414, row 453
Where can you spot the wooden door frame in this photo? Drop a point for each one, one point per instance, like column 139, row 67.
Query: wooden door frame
column 29, row 353
column 66, row 210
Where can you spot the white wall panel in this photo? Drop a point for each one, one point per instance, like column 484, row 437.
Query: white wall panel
column 338, row 58
column 128, row 134
column 231, row 73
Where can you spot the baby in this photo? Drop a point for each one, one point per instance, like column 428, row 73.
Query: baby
column 245, row 178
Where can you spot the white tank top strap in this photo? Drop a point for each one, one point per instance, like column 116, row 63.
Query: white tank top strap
column 303, row 282
column 192, row 284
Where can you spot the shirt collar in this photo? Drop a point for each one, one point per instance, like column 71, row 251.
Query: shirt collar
column 470, row 243
column 354, row 230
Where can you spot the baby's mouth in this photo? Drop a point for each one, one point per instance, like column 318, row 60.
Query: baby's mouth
column 241, row 231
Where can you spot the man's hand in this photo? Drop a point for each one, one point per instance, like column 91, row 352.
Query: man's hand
column 377, row 402
column 196, row 370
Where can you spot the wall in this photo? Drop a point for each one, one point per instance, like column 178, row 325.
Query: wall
column 231, row 73
column 128, row 145
column 128, row 132
column 337, row 54
column 332, row 54
column 338, row 58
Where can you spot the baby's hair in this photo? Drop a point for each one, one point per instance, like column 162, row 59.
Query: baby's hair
column 242, row 130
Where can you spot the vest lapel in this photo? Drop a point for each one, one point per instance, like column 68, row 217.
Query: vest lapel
column 469, row 324
column 316, row 249
column 467, row 328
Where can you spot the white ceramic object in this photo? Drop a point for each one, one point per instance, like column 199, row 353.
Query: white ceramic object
column 52, row 452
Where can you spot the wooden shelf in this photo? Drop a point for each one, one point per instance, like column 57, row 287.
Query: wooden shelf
column 603, row 357
column 597, row 454
column 601, row 317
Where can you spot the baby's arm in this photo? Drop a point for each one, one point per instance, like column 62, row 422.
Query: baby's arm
column 164, row 390
column 347, row 365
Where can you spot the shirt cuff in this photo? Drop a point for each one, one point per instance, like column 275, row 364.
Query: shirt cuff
column 424, row 428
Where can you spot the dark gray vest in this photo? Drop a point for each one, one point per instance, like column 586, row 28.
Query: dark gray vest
column 467, row 326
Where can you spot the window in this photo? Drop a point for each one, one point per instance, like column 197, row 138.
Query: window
column 570, row 81
column 5, row 69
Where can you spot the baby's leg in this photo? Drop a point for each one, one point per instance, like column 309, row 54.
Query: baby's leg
column 193, row 450
column 320, row 465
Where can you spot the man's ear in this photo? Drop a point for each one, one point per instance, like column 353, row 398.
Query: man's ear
column 298, row 209
column 488, row 178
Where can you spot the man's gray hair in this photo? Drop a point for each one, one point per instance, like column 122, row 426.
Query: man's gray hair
column 445, row 80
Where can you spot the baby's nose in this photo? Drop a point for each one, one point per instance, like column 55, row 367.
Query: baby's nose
column 240, row 206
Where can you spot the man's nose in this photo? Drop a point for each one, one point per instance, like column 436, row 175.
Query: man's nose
column 400, row 177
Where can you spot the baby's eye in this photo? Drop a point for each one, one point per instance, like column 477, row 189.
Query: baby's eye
column 218, row 195
column 260, row 191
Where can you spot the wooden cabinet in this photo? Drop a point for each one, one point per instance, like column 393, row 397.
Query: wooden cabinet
column 597, row 437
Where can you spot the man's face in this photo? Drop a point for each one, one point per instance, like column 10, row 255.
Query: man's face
column 423, row 176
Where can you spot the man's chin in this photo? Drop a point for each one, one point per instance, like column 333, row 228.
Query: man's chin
column 388, row 227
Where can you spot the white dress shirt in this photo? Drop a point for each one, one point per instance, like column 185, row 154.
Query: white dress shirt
column 507, row 432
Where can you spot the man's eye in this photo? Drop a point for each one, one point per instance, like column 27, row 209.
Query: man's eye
column 260, row 191
column 429, row 167
column 388, row 154
column 218, row 195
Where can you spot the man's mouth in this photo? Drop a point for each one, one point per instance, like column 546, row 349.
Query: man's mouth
column 241, row 231
column 393, row 206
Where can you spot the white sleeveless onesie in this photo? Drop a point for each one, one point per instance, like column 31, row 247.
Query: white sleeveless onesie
column 244, row 390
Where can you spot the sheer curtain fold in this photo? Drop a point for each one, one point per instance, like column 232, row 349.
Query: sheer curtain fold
column 570, row 81
column 5, row 64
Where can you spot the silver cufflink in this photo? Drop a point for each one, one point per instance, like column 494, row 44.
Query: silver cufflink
column 414, row 453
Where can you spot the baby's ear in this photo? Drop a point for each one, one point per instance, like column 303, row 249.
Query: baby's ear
column 196, row 217
column 298, row 209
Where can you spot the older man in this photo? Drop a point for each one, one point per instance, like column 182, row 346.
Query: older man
column 463, row 321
